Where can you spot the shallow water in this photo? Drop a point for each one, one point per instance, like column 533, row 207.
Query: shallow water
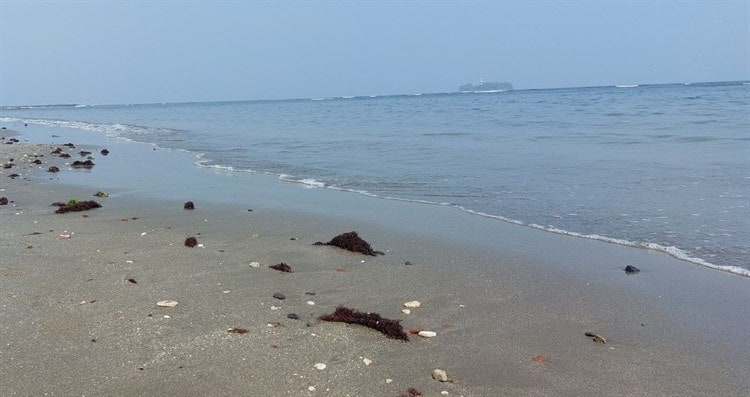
column 662, row 166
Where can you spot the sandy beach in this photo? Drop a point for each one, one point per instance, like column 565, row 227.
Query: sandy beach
column 510, row 305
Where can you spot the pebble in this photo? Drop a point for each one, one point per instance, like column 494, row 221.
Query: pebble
column 367, row 361
column 311, row 388
column 427, row 334
column 279, row 296
column 311, row 303
column 292, row 316
column 444, row 392
column 412, row 304
column 167, row 316
column 320, row 366
column 406, row 311
column 389, row 380
column 254, row 264
column 166, row 303
column 440, row 375
column 274, row 308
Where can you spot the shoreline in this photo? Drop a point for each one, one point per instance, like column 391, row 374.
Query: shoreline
column 498, row 296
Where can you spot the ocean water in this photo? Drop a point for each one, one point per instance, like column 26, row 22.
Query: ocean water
column 664, row 167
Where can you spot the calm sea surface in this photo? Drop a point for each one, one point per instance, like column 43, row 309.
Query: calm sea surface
column 662, row 166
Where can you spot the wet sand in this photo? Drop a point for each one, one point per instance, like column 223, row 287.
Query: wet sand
column 510, row 305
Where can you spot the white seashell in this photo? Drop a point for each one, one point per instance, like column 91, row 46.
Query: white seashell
column 254, row 264
column 166, row 303
column 427, row 334
column 367, row 361
column 406, row 311
column 412, row 304
column 320, row 366
column 439, row 374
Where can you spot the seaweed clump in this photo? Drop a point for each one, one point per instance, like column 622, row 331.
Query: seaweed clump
column 76, row 206
column 3, row 201
column 53, row 169
column 391, row 328
column 352, row 242
column 191, row 242
column 88, row 164
column 412, row 392
column 283, row 267
column 189, row 205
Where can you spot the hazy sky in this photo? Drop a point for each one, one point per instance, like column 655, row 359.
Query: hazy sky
column 98, row 52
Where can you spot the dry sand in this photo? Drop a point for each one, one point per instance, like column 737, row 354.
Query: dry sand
column 497, row 295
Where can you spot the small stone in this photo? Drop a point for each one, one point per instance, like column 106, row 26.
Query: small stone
column 427, row 334
column 367, row 361
column 254, row 264
column 274, row 308
column 412, row 304
column 389, row 380
column 311, row 388
column 407, row 263
column 440, row 375
column 631, row 269
column 406, row 311
column 279, row 296
column 311, row 303
column 166, row 303
column 167, row 316
column 444, row 392
column 292, row 316
column 320, row 366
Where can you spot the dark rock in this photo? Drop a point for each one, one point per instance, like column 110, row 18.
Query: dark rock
column 279, row 296
column 84, row 153
column 64, row 155
column 70, row 145
column 292, row 316
column 391, row 328
column 53, row 169
column 283, row 267
column 189, row 205
column 191, row 242
column 407, row 263
column 56, row 151
column 13, row 176
column 352, row 242
column 104, row 152
column 3, row 201
column 631, row 270
column 37, row 161
column 8, row 166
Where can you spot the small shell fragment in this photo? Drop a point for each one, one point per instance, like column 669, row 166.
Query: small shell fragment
column 320, row 366
column 412, row 304
column 427, row 334
column 166, row 303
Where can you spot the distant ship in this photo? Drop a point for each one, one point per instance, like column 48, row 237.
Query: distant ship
column 484, row 86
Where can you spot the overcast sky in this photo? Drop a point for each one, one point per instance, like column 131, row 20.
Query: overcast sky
column 102, row 52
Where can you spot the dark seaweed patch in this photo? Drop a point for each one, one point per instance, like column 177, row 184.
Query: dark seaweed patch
column 391, row 328
column 352, row 242
column 76, row 206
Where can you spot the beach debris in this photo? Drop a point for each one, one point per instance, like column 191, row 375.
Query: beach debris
column 88, row 164
column 282, row 267
column 3, row 201
column 406, row 311
column 427, row 334
column 64, row 155
column 366, row 360
column 310, row 303
column 191, row 242
column 84, row 153
column 70, row 145
column 540, row 359
column 596, row 338
column 412, row 304
column 352, row 242
column 279, row 296
column 341, row 270
column 407, row 263
column 13, row 176
column 166, row 303
column 99, row 193
column 439, row 375
column 132, row 281
column 189, row 205
column 74, row 205
column 320, row 366
column 414, row 331
column 37, row 162
column 292, row 316
column 8, row 166
column 412, row 392
column 53, row 169
column 254, row 264
column 56, row 151
column 237, row 330
column 631, row 270
column 104, row 152
column 391, row 328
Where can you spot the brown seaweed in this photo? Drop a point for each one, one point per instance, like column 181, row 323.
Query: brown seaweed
column 3, row 201
column 191, row 242
column 53, row 169
column 283, row 267
column 76, row 207
column 352, row 242
column 412, row 392
column 88, row 164
column 391, row 328
column 189, row 205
